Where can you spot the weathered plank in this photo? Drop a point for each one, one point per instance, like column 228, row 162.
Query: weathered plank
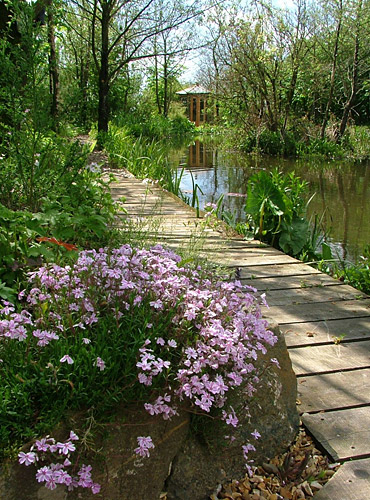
column 298, row 313
column 299, row 334
column 249, row 259
column 330, row 358
column 344, row 433
column 294, row 269
column 215, row 240
column 350, row 482
column 334, row 390
column 315, row 294
column 285, row 282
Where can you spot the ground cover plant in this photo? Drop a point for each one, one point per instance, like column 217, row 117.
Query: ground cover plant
column 125, row 325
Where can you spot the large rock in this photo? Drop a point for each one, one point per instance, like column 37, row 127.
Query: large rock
column 189, row 464
column 203, row 464
column 122, row 474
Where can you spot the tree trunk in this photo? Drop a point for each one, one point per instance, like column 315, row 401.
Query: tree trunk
column 354, row 81
column 103, row 107
column 166, row 98
column 156, row 80
column 333, row 71
column 53, row 69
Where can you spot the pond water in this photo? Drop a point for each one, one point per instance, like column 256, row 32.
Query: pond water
column 341, row 189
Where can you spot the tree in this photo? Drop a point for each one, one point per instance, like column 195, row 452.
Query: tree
column 121, row 31
column 338, row 6
column 360, row 57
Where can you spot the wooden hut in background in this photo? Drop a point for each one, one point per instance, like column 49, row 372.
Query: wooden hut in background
column 195, row 99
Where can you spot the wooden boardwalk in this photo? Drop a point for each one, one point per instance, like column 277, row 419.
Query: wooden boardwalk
column 326, row 326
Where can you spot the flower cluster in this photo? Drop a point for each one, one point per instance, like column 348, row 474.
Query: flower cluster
column 57, row 473
column 145, row 444
column 201, row 336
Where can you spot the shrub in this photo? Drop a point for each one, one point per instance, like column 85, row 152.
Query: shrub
column 83, row 214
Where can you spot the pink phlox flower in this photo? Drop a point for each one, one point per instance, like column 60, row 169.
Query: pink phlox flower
column 159, row 365
column 42, row 445
column 160, row 341
column 247, row 448
column 73, row 436
column 99, row 363
column 172, row 343
column 160, row 406
column 67, row 359
column 146, row 361
column 157, row 304
column 78, row 293
column 45, row 336
column 44, row 474
column 62, row 477
column 191, row 353
column 275, row 362
column 236, row 379
column 27, row 458
column 255, row 434
column 86, row 341
column 51, row 483
column 263, row 300
column 230, row 418
column 65, row 448
column 145, row 444
column 95, row 488
column 144, row 379
column 205, row 402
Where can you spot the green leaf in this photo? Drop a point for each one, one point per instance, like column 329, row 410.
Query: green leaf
column 326, row 252
column 293, row 236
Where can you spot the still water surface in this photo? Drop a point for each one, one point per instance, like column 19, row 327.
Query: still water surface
column 341, row 189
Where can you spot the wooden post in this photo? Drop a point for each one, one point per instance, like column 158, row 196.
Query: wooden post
column 197, row 114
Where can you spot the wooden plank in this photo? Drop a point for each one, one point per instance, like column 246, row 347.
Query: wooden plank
column 212, row 240
column 315, row 294
column 344, row 433
column 156, row 211
column 299, row 334
column 223, row 257
column 285, row 282
column 299, row 313
column 247, row 252
column 329, row 358
column 295, row 269
column 333, row 391
column 350, row 482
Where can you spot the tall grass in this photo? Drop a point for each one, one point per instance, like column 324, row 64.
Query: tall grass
column 147, row 158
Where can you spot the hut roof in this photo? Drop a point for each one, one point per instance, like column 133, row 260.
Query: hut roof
column 194, row 89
